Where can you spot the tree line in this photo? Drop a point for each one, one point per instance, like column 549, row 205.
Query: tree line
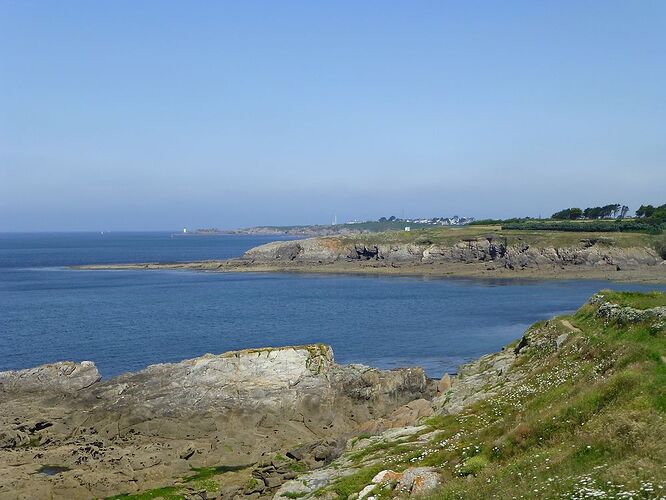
column 652, row 213
column 649, row 219
column 612, row 211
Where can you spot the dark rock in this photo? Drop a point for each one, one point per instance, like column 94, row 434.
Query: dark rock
column 273, row 481
column 524, row 342
column 187, row 452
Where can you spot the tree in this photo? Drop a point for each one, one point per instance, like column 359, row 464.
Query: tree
column 659, row 214
column 615, row 209
column 645, row 211
column 568, row 214
column 623, row 211
column 610, row 211
column 593, row 212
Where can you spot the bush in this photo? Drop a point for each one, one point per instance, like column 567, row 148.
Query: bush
column 497, row 222
column 588, row 227
column 473, row 465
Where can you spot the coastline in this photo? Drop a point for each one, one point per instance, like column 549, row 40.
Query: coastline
column 290, row 422
column 486, row 270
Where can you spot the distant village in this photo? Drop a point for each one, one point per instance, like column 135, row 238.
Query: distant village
column 435, row 221
column 357, row 226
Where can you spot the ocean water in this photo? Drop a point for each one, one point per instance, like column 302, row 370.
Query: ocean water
column 126, row 320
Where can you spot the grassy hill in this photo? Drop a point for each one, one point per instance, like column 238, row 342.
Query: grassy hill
column 585, row 420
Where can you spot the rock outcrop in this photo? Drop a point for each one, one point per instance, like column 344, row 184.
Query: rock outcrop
column 62, row 377
column 489, row 249
column 144, row 429
column 623, row 315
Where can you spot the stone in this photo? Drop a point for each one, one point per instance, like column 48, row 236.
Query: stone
column 322, row 452
column 418, row 480
column 13, row 439
column 561, row 339
column 444, row 384
column 386, row 476
column 410, row 413
column 255, row 486
column 187, row 452
column 62, row 377
column 273, row 481
column 197, row 495
column 366, row 491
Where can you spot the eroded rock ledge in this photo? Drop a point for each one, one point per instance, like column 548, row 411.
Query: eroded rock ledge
column 490, row 249
column 149, row 428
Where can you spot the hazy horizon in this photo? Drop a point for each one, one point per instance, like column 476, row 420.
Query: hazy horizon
column 163, row 115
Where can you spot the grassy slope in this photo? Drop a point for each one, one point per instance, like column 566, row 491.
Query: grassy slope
column 452, row 235
column 587, row 418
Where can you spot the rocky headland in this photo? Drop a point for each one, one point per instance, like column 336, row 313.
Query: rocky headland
column 464, row 252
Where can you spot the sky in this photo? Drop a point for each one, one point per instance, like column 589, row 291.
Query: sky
column 125, row 115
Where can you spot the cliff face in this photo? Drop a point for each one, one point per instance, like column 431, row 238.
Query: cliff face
column 143, row 429
column 487, row 249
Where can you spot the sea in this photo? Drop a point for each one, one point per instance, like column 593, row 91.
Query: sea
column 127, row 320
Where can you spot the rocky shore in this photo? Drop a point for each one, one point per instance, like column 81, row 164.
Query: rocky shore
column 236, row 411
column 570, row 410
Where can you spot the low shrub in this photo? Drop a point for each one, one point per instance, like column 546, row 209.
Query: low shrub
column 473, row 465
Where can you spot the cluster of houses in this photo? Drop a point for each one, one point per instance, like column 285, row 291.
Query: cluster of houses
column 435, row 221
column 442, row 221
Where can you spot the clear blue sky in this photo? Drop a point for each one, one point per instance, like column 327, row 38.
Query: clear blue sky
column 159, row 115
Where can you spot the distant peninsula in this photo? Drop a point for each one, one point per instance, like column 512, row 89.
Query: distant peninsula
column 382, row 224
column 480, row 251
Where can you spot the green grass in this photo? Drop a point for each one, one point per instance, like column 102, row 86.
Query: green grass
column 590, row 415
column 637, row 300
column 353, row 483
column 294, row 494
column 167, row 493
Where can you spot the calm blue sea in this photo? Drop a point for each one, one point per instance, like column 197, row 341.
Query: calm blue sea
column 126, row 320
